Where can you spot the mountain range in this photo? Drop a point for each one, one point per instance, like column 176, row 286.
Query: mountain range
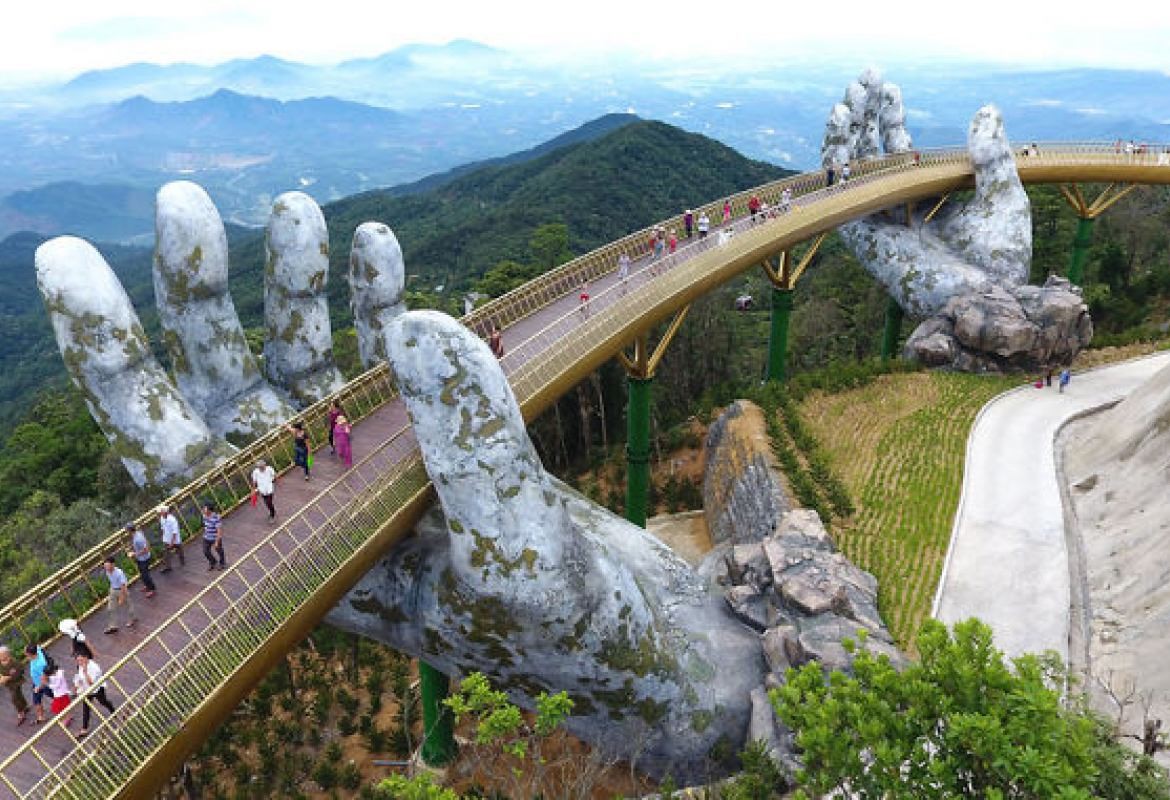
column 249, row 129
column 603, row 180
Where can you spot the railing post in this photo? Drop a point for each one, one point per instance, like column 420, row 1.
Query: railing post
column 1080, row 253
column 893, row 329
column 778, row 339
column 438, row 747
column 638, row 449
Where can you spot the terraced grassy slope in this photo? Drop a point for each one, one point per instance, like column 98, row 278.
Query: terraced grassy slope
column 898, row 444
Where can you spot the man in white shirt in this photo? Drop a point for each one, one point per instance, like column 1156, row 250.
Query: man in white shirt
column 264, row 484
column 172, row 537
column 119, row 597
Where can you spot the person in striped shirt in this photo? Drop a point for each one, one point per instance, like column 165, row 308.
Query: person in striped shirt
column 212, row 537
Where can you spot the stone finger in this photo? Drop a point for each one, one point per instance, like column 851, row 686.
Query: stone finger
column 158, row 436
column 214, row 369
column 993, row 230
column 376, row 282
column 298, row 351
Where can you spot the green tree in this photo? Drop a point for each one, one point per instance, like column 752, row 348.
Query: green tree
column 960, row 723
column 550, row 245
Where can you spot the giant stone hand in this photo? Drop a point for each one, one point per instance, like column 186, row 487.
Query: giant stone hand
column 530, row 583
column 163, row 433
column 965, row 268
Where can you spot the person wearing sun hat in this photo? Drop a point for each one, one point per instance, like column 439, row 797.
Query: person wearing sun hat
column 81, row 645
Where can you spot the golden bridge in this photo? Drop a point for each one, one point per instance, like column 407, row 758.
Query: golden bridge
column 207, row 639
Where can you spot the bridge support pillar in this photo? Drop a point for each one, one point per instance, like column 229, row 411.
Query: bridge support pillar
column 782, row 274
column 1080, row 253
column 778, row 339
column 641, row 365
column 893, row 328
column 638, row 450
column 1087, row 212
column 438, row 747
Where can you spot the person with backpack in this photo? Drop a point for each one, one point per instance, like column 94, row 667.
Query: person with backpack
column 38, row 664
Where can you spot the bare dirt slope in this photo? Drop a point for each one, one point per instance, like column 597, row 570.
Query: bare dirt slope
column 1116, row 464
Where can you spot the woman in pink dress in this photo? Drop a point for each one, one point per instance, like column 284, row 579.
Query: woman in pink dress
column 341, row 431
column 726, row 211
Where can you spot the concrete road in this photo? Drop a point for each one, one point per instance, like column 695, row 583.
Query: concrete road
column 1007, row 563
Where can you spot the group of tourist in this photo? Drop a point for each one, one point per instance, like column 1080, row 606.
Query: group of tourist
column 50, row 683
column 48, row 680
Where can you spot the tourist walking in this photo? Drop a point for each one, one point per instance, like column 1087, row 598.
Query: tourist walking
column 264, row 484
column 341, row 433
column 90, row 688
column 38, row 667
column 672, row 242
column 120, row 603
column 302, row 456
column 59, row 687
column 495, row 342
column 583, row 296
column 727, row 211
column 1065, row 378
column 331, row 420
column 172, row 537
column 80, row 644
column 689, row 222
column 830, row 174
column 754, row 206
column 704, row 225
column 212, row 537
column 623, row 269
column 140, row 552
column 11, row 677
column 845, row 172
column 785, row 200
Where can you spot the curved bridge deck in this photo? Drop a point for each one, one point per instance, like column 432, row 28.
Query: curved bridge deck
column 208, row 637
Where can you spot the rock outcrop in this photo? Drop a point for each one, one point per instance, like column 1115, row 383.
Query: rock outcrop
column 1115, row 466
column 1024, row 329
column 298, row 346
column 528, row 582
column 968, row 264
column 743, row 494
column 786, row 579
column 210, row 359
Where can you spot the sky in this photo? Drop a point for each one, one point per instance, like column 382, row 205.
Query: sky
column 60, row 39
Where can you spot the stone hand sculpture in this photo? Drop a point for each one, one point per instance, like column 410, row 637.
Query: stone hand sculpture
column 967, row 267
column 526, row 581
column 163, row 432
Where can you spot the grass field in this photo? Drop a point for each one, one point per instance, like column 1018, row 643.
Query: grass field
column 898, row 444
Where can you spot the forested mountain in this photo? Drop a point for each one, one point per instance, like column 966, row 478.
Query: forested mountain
column 602, row 181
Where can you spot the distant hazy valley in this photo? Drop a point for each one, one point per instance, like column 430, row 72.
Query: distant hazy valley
column 86, row 156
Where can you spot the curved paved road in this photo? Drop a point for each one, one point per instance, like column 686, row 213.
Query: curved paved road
column 1008, row 562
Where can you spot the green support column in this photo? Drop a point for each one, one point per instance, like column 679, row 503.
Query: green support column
column 778, row 341
column 1084, row 237
column 892, row 330
column 438, row 734
column 638, row 450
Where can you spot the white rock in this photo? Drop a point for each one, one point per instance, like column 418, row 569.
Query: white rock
column 298, row 349
column 213, row 367
column 376, row 281
column 152, row 429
